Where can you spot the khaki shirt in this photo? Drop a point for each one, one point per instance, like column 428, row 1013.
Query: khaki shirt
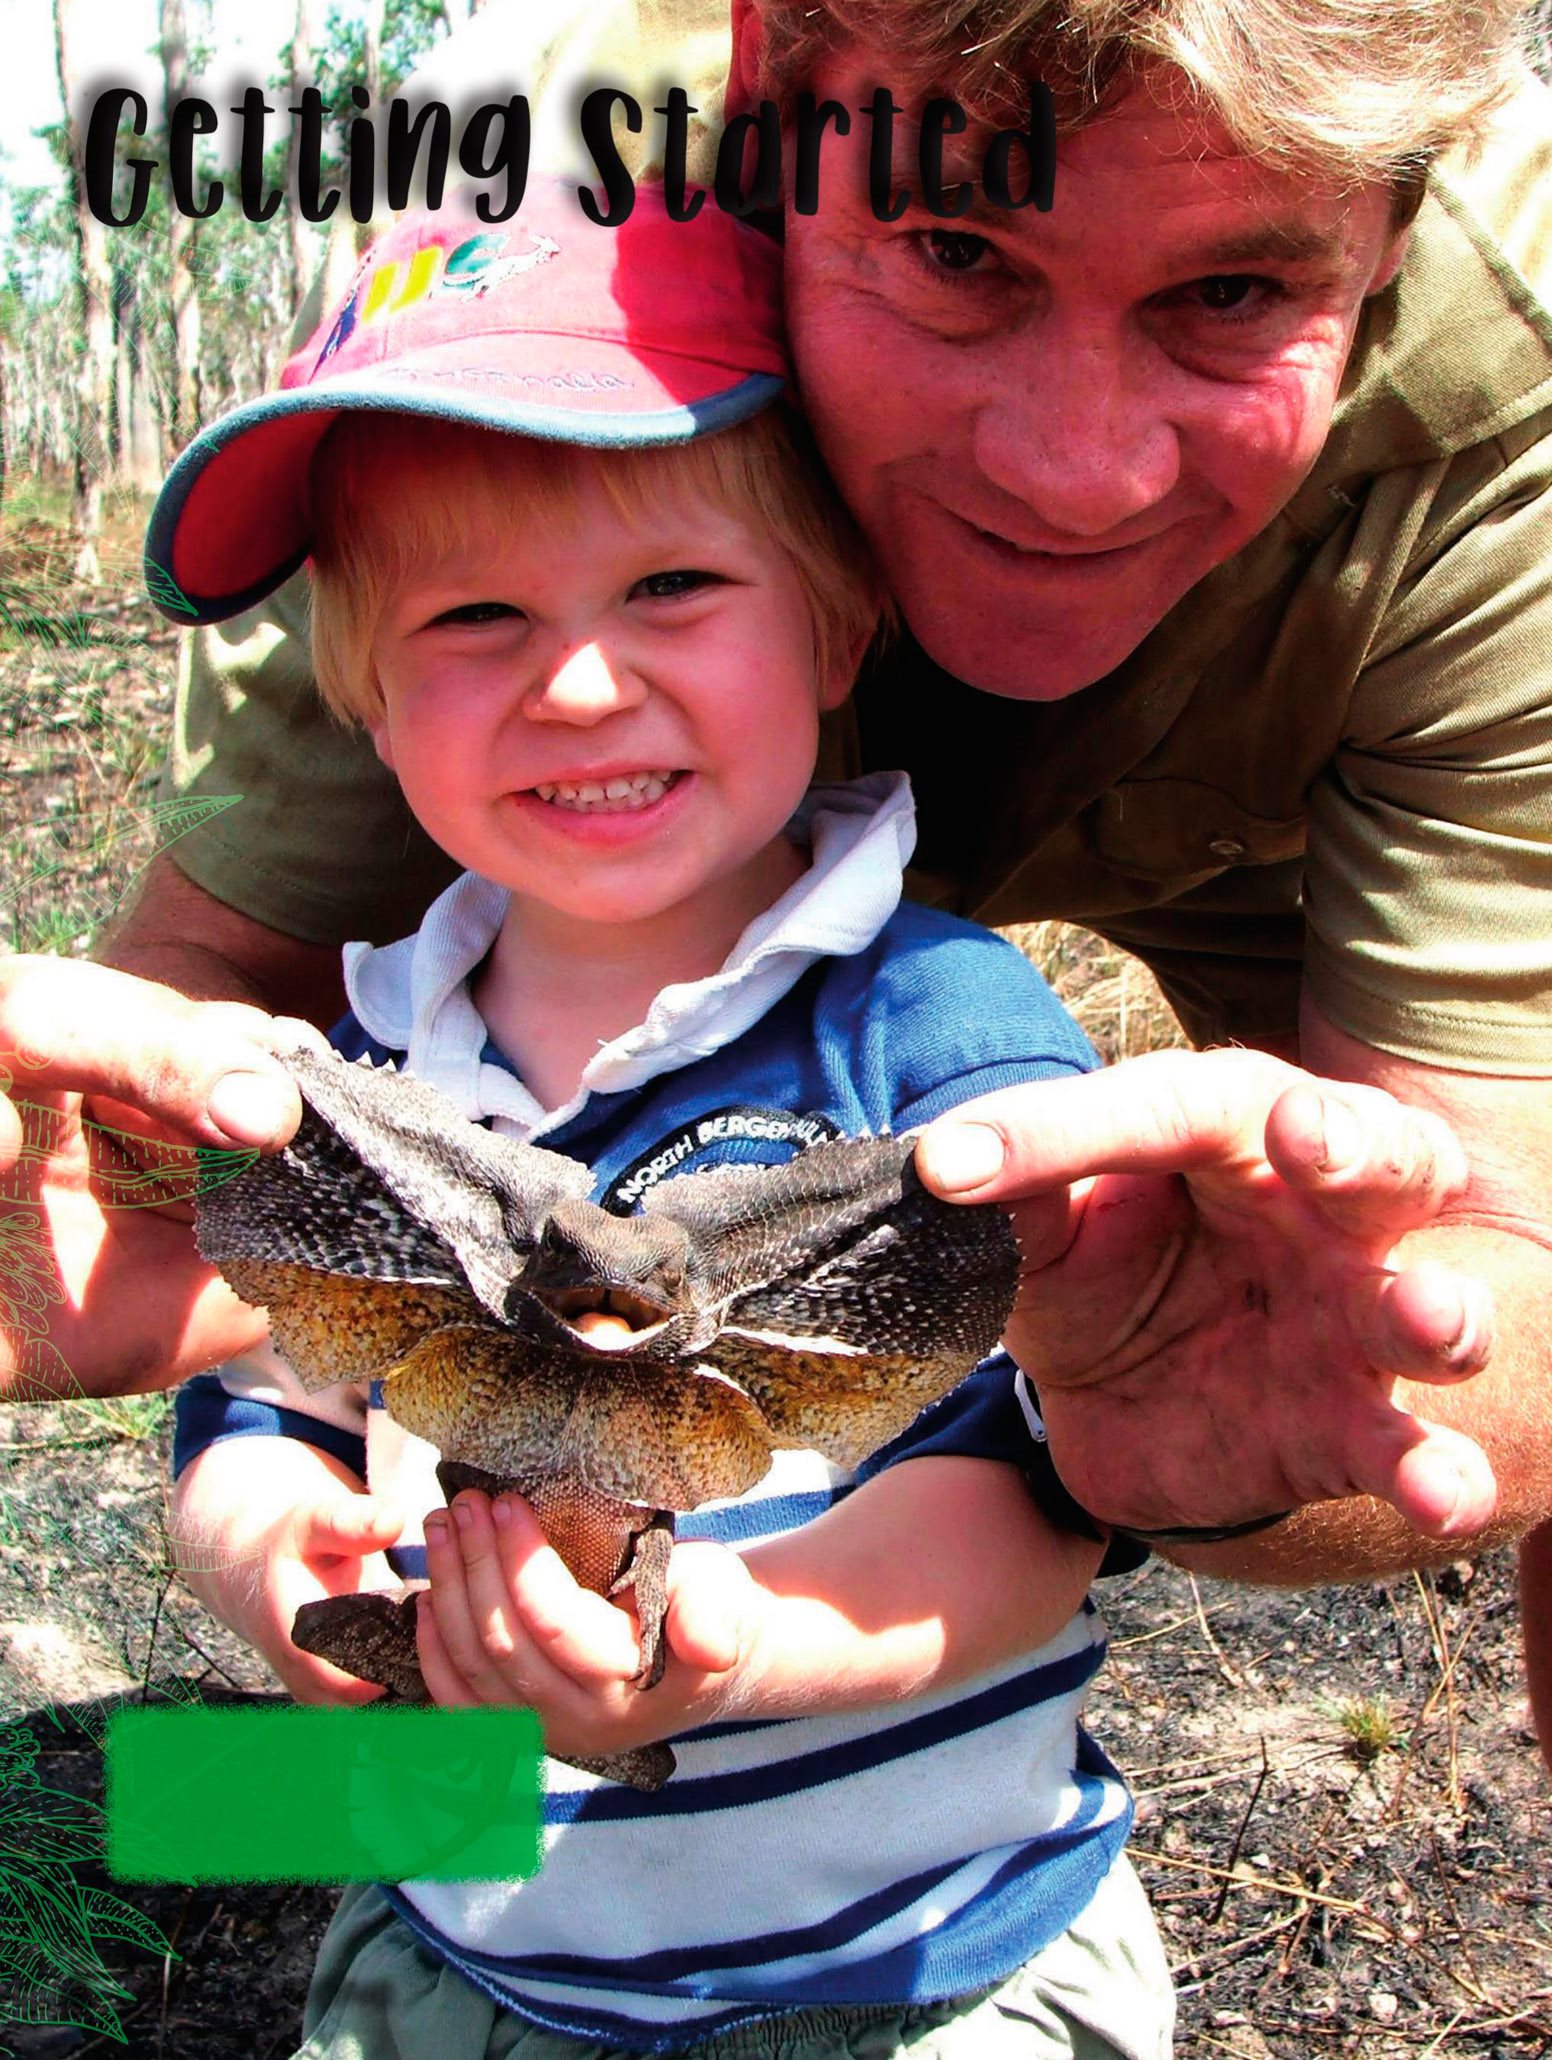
column 1331, row 762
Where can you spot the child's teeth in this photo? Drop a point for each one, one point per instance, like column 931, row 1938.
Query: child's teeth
column 625, row 791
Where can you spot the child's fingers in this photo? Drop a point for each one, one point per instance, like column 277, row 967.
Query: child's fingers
column 711, row 1597
column 583, row 1637
column 473, row 1633
column 443, row 1680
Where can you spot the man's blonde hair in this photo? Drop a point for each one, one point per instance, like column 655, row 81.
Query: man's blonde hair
column 1351, row 90
column 390, row 492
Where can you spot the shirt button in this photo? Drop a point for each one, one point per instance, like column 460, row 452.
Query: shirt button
column 1226, row 847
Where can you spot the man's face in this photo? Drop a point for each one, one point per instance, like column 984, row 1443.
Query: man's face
column 1051, row 426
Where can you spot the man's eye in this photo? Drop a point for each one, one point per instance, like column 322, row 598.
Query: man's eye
column 1226, row 293
column 668, row 586
column 952, row 250
column 472, row 614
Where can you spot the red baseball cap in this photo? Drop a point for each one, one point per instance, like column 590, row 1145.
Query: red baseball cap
column 547, row 325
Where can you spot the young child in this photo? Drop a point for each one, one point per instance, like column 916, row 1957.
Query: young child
column 575, row 569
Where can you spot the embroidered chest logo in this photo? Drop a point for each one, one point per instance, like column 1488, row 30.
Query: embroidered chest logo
column 739, row 1132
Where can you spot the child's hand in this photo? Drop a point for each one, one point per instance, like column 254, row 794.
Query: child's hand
column 505, row 1622
column 262, row 1525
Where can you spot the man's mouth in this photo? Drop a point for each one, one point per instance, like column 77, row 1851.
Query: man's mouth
column 1080, row 556
column 622, row 793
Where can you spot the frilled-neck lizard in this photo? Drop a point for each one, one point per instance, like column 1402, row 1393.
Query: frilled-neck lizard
column 821, row 1303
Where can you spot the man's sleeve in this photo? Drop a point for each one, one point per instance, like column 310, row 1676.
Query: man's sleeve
column 1428, row 883
column 319, row 844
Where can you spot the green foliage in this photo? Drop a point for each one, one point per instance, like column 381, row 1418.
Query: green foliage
column 410, row 28
column 50, row 1971
column 68, row 872
column 1370, row 1725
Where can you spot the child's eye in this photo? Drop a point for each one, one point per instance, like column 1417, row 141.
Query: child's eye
column 474, row 613
column 668, row 586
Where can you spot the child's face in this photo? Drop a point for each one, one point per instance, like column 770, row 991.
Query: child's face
column 612, row 719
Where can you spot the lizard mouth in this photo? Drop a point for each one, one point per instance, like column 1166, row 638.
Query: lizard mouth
column 617, row 1305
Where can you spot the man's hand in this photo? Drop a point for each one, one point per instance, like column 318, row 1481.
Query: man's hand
column 102, row 1291
column 1207, row 1307
column 261, row 1525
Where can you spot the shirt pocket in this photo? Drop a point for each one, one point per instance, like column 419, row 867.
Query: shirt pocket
column 1188, row 830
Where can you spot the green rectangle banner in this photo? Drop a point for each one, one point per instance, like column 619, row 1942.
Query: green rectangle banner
column 304, row 1794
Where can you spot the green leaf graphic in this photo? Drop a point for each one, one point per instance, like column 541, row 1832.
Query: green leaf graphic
column 111, row 1917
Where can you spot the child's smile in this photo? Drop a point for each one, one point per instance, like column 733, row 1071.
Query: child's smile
column 608, row 793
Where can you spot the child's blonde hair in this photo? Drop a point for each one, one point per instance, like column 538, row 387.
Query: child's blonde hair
column 389, row 491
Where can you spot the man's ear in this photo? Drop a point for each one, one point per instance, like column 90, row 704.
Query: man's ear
column 382, row 743
column 743, row 89
column 1390, row 263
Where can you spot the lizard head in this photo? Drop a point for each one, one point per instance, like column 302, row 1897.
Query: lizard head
column 588, row 1262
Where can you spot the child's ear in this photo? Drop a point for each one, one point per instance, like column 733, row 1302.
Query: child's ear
column 841, row 673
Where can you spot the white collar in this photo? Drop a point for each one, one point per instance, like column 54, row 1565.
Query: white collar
column 413, row 996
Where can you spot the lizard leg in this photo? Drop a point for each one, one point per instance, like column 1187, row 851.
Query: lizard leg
column 371, row 1636
column 646, row 1570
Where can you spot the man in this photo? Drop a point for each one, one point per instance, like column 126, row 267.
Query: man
column 1215, row 500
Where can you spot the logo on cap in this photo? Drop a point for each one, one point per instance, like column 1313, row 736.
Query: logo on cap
column 396, row 283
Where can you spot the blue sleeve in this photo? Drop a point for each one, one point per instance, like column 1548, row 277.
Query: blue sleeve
column 939, row 1011
column 205, row 1414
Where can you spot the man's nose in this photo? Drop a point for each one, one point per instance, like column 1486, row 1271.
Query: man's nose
column 1081, row 437
column 584, row 684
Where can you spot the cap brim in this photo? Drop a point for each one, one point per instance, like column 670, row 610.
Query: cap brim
column 231, row 524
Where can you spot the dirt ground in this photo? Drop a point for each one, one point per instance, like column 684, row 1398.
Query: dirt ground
column 1341, row 1816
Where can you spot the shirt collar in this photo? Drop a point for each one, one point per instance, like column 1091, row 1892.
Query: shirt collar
column 413, row 996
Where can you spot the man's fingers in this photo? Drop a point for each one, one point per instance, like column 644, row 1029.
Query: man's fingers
column 1425, row 1323
column 1372, row 1164
column 204, row 1068
column 1166, row 1112
column 1435, row 1479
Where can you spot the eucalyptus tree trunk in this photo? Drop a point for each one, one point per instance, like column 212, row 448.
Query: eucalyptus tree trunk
column 94, row 302
column 372, row 66
column 183, row 311
column 304, row 40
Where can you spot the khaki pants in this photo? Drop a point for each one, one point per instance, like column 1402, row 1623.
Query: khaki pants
column 1099, row 1992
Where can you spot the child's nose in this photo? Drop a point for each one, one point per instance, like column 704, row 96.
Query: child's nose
column 584, row 685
